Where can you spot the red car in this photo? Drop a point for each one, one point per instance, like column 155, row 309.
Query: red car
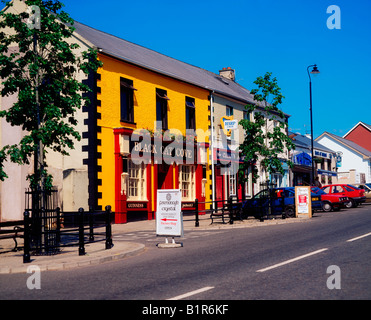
column 330, row 202
column 356, row 196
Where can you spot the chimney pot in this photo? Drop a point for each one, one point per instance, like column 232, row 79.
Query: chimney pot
column 228, row 73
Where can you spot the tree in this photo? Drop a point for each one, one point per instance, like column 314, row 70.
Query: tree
column 260, row 142
column 43, row 73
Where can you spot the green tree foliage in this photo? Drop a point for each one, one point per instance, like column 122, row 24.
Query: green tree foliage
column 53, row 69
column 259, row 142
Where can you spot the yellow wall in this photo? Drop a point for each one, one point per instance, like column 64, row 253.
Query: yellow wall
column 146, row 83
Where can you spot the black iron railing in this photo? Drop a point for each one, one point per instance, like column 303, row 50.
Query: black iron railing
column 67, row 229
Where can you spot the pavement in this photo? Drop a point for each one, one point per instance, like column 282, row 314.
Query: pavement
column 68, row 257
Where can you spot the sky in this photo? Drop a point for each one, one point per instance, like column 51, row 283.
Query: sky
column 258, row 36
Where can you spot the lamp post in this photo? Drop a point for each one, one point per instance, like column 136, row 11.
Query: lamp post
column 314, row 71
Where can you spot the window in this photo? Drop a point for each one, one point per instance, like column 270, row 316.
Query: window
column 246, row 184
column 277, row 178
column 161, row 108
column 190, row 113
column 137, row 182
column 127, row 100
column 229, row 111
column 327, row 189
column 232, row 184
column 187, row 182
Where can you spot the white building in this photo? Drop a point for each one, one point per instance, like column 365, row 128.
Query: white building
column 354, row 161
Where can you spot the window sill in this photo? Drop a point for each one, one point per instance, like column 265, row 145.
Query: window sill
column 128, row 122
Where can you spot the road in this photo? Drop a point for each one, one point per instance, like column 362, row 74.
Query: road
column 284, row 261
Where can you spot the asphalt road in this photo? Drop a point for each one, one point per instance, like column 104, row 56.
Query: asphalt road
column 278, row 262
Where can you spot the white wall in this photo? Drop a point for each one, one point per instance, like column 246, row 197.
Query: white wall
column 351, row 160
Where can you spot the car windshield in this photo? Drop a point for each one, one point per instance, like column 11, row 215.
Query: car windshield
column 368, row 185
column 351, row 186
column 261, row 194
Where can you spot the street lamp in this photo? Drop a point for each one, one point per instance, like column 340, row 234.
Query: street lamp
column 314, row 71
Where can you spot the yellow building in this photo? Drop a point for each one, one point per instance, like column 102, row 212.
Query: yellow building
column 130, row 98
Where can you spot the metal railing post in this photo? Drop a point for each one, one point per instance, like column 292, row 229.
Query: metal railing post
column 91, row 226
column 109, row 244
column 26, row 249
column 230, row 210
column 58, row 231
column 197, row 223
column 81, row 232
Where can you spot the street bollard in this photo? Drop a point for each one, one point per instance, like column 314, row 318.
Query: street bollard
column 197, row 223
column 109, row 244
column 26, row 249
column 81, row 232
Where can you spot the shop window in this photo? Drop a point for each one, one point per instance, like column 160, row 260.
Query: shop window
column 137, row 181
column 161, row 108
column 187, row 182
column 127, row 100
column 232, row 184
column 277, row 179
column 190, row 113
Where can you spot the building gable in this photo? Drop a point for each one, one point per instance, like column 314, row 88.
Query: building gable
column 361, row 135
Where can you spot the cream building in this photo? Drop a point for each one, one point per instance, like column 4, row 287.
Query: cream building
column 69, row 172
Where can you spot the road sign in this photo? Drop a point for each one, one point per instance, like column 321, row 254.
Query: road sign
column 169, row 218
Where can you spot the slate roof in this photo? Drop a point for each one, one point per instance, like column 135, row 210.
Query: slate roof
column 348, row 143
column 305, row 142
column 157, row 62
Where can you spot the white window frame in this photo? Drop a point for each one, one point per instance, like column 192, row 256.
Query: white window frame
column 232, row 188
column 136, row 187
column 187, row 182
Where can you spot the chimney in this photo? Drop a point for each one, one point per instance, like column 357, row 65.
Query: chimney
column 227, row 73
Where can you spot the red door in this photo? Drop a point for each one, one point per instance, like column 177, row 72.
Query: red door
column 218, row 187
column 165, row 176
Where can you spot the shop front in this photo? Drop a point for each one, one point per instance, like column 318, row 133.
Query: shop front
column 226, row 169
column 146, row 164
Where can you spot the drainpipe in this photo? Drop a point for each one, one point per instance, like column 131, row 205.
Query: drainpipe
column 212, row 148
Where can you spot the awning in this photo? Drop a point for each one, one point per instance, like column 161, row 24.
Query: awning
column 327, row 172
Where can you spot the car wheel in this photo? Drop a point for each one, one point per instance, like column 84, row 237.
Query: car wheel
column 350, row 204
column 289, row 212
column 326, row 206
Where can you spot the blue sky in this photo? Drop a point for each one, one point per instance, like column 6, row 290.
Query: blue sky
column 255, row 37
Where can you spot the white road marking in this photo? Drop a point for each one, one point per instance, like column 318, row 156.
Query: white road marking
column 292, row 260
column 360, row 237
column 188, row 294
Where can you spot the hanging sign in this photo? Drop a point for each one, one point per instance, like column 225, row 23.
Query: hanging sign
column 169, row 218
column 228, row 124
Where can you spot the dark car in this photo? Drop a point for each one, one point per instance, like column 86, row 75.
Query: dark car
column 282, row 203
column 367, row 188
column 356, row 195
column 333, row 201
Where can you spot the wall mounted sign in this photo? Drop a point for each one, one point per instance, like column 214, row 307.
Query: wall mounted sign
column 228, row 124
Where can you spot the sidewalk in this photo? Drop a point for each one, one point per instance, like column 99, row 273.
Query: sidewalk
column 12, row 262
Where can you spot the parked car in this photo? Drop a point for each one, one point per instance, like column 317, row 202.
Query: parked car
column 367, row 188
column 332, row 201
column 356, row 196
column 283, row 203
